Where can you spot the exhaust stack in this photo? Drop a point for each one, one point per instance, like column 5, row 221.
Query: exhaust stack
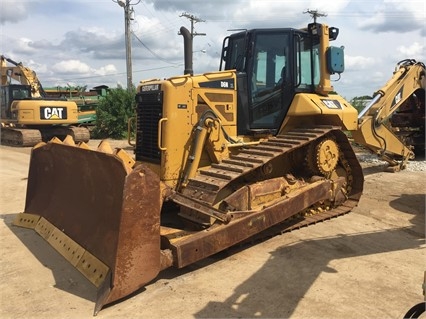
column 187, row 43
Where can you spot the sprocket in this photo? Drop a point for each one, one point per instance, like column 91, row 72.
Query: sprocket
column 322, row 158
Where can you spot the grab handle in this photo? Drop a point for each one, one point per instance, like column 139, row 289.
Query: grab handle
column 160, row 131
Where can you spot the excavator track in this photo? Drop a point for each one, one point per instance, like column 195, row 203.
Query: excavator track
column 254, row 164
column 78, row 133
column 28, row 137
column 20, row 137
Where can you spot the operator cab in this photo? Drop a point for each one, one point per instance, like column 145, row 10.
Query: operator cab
column 273, row 65
column 10, row 93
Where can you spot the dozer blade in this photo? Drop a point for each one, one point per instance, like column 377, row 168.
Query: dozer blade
column 101, row 215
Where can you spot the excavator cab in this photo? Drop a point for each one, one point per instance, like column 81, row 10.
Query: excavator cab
column 10, row 93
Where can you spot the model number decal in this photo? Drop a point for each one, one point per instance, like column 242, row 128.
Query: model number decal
column 332, row 104
column 53, row 113
column 219, row 84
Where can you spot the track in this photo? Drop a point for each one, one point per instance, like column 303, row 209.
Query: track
column 254, row 164
column 26, row 137
column 20, row 137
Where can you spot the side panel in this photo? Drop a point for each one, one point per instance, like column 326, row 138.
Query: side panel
column 186, row 102
column 44, row 112
column 330, row 110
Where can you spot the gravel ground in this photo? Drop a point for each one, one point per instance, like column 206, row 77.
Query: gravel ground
column 416, row 165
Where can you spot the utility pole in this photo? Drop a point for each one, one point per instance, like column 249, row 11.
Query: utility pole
column 128, row 15
column 315, row 14
column 193, row 20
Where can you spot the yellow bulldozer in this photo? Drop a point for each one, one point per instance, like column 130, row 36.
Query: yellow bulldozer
column 28, row 116
column 220, row 157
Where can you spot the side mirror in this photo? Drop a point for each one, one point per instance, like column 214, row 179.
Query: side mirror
column 333, row 33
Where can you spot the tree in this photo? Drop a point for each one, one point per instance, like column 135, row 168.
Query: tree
column 113, row 112
column 359, row 102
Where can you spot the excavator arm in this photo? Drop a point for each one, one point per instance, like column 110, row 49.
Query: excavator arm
column 391, row 124
column 22, row 74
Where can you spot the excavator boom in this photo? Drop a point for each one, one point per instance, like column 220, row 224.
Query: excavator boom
column 392, row 125
column 22, row 74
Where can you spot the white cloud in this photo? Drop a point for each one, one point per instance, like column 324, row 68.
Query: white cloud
column 107, row 69
column 71, row 66
column 395, row 15
column 358, row 62
column 18, row 46
column 76, row 67
column 13, row 11
column 414, row 51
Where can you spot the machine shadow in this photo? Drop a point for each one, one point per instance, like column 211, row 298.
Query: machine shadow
column 415, row 205
column 66, row 277
column 291, row 270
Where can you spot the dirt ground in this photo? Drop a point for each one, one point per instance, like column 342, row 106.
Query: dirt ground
column 366, row 264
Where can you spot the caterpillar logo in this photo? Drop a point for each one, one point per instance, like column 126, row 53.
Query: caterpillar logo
column 397, row 98
column 332, row 104
column 53, row 113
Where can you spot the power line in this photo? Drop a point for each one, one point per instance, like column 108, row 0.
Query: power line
column 152, row 52
column 193, row 20
column 113, row 74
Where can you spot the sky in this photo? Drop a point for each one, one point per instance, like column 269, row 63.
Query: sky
column 82, row 42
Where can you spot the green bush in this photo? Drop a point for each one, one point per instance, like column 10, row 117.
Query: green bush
column 359, row 102
column 113, row 112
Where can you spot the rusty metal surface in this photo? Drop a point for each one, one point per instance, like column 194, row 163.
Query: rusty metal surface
column 209, row 187
column 88, row 196
column 205, row 243
column 138, row 255
column 213, row 184
column 72, row 188
column 270, row 204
